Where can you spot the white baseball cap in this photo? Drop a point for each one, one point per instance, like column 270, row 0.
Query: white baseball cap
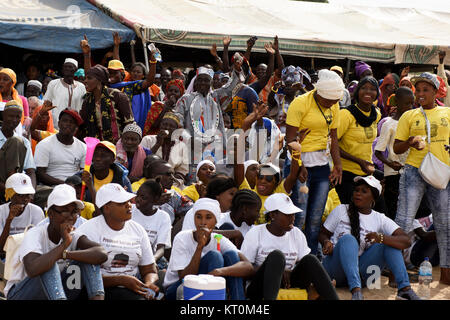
column 62, row 195
column 112, row 192
column 72, row 61
column 371, row 181
column 20, row 183
column 270, row 165
column 280, row 202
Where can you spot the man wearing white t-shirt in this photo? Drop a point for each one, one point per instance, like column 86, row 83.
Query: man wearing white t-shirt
column 66, row 92
column 51, row 255
column 61, row 155
column 19, row 212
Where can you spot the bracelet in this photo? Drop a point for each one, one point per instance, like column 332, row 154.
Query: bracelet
column 153, row 61
column 381, row 237
column 64, row 255
column 274, row 90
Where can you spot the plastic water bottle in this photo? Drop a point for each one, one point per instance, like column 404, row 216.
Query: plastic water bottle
column 425, row 279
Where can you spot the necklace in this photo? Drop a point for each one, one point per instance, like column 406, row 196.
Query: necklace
column 199, row 124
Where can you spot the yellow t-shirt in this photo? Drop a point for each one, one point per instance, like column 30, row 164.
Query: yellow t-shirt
column 355, row 139
column 136, row 185
column 332, row 202
column 98, row 183
column 279, row 189
column 191, row 192
column 304, row 113
column 88, row 210
column 412, row 123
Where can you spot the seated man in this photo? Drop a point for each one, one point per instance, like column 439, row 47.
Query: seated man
column 104, row 170
column 15, row 151
column 44, row 260
column 61, row 155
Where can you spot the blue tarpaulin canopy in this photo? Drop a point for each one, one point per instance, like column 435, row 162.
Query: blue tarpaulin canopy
column 57, row 25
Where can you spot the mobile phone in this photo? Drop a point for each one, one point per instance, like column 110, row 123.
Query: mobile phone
column 151, row 294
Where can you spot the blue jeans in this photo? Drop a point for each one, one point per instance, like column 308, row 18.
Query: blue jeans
column 347, row 268
column 54, row 285
column 214, row 260
column 314, row 204
column 412, row 188
column 298, row 198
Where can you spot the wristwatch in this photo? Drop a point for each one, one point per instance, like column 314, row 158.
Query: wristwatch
column 64, row 255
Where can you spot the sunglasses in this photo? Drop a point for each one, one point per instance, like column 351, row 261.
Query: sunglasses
column 268, row 178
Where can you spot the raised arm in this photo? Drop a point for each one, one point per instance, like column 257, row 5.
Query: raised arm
column 150, row 79
column 279, row 57
column 117, row 40
column 250, row 43
column 213, row 51
column 225, row 58
column 86, row 48
column 133, row 54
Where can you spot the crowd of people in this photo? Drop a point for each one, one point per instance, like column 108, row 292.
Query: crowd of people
column 269, row 176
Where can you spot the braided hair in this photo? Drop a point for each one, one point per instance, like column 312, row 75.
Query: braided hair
column 244, row 197
column 353, row 213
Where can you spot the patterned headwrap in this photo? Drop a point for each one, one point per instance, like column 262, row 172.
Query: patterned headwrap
column 294, row 75
column 178, row 83
column 172, row 116
column 14, row 93
column 442, row 91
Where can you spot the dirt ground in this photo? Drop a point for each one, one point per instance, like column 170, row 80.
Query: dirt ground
column 438, row 291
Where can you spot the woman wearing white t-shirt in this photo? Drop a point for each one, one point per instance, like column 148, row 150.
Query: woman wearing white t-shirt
column 281, row 256
column 221, row 188
column 200, row 251
column 355, row 238
column 156, row 222
column 130, row 271
column 52, row 258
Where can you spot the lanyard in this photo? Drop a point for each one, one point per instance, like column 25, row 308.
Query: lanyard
column 327, row 120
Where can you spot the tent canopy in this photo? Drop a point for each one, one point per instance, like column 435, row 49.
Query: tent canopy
column 304, row 28
column 57, row 25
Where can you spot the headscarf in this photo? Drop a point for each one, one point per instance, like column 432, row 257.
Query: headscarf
column 408, row 80
column 360, row 67
column 390, row 78
column 294, row 75
column 79, row 73
column 442, row 91
column 201, row 163
column 172, row 116
column 363, row 81
column 50, row 127
column 178, row 83
column 208, row 204
column 330, row 85
column 15, row 95
column 100, row 73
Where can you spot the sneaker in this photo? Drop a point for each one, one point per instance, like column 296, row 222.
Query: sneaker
column 407, row 295
column 357, row 295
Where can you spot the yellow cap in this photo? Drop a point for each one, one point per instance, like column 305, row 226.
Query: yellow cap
column 115, row 65
column 337, row 68
column 108, row 145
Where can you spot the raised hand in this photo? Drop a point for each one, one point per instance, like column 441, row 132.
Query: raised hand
column 65, row 230
column 251, row 42
column 213, row 50
column 442, row 55
column 260, row 109
column 84, row 44
column 269, row 48
column 47, row 106
column 275, row 44
column 117, row 39
column 226, row 41
column 405, row 72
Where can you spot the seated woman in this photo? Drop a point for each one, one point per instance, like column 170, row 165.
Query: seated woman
column 197, row 252
column 130, row 154
column 205, row 169
column 174, row 89
column 355, row 237
column 130, row 270
column 49, row 250
column 155, row 221
column 167, row 146
column 280, row 255
column 244, row 212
